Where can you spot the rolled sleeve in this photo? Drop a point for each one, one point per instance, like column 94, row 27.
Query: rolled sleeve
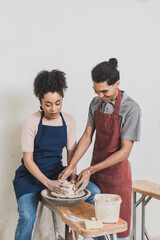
column 71, row 137
column 28, row 135
column 90, row 121
column 131, row 128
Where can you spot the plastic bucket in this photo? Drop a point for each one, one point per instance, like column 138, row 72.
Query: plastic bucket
column 107, row 207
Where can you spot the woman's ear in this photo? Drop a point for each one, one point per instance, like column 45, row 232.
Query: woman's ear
column 41, row 105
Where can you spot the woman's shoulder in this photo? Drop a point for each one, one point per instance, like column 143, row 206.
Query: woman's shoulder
column 33, row 119
column 69, row 119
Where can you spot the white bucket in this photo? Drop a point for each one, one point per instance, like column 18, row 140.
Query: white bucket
column 107, row 207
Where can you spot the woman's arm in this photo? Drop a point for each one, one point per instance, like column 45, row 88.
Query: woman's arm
column 82, row 147
column 52, row 185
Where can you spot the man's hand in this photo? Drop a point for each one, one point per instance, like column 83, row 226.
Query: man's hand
column 57, row 186
column 65, row 173
column 83, row 180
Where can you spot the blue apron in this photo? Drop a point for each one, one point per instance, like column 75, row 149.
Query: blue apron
column 48, row 145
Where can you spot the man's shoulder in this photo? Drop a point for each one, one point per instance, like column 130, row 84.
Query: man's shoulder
column 129, row 104
column 96, row 100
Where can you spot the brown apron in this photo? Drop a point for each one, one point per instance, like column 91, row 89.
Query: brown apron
column 117, row 178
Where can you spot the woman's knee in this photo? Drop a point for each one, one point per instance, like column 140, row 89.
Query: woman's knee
column 27, row 208
column 27, row 218
column 93, row 188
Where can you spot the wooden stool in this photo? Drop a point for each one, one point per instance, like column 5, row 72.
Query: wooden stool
column 74, row 217
column 148, row 190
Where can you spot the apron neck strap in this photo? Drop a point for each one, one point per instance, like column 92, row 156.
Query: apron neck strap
column 42, row 115
column 62, row 119
column 99, row 107
column 118, row 102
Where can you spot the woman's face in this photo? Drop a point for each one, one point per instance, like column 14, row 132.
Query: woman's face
column 51, row 104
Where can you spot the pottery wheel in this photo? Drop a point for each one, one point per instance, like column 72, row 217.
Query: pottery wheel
column 59, row 195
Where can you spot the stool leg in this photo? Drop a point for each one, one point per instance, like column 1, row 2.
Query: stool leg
column 144, row 230
column 66, row 231
column 134, row 215
column 55, row 225
column 107, row 237
column 75, row 237
column 38, row 221
column 113, row 236
column 133, row 232
column 143, row 220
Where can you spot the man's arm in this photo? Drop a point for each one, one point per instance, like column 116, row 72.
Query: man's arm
column 119, row 156
column 82, row 147
column 70, row 154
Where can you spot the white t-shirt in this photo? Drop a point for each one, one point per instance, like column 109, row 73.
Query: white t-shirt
column 30, row 128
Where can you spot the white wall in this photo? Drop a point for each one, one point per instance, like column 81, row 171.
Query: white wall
column 74, row 36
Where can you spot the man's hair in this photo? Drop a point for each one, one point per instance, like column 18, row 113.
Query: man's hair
column 54, row 81
column 106, row 71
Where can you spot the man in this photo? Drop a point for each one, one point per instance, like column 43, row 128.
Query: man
column 116, row 119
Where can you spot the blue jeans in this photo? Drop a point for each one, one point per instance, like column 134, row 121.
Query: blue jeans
column 94, row 189
column 27, row 208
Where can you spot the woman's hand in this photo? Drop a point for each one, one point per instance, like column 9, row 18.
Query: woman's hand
column 83, row 180
column 65, row 173
column 57, row 186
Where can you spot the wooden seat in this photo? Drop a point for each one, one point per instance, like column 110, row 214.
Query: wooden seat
column 74, row 218
column 148, row 190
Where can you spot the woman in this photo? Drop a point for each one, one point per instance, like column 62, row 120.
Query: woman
column 45, row 133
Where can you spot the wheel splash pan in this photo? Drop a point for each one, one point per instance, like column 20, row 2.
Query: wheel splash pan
column 64, row 201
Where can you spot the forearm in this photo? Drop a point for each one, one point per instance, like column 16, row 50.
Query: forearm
column 113, row 159
column 82, row 147
column 70, row 154
column 33, row 168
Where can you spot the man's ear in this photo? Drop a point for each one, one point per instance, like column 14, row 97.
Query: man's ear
column 117, row 84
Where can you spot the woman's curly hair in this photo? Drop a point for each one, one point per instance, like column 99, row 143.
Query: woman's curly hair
column 54, row 81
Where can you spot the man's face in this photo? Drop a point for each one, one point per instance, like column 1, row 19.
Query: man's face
column 106, row 92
